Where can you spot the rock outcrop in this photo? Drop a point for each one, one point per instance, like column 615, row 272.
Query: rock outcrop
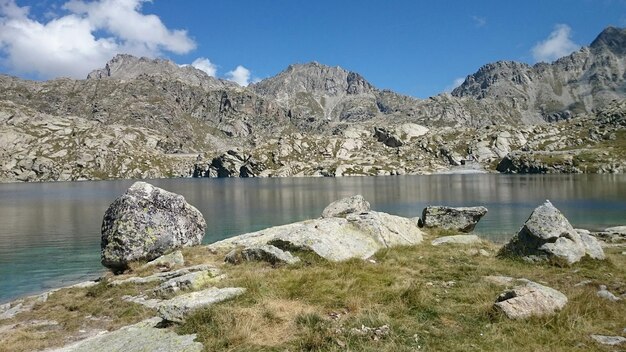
column 462, row 219
column 358, row 235
column 548, row 235
column 145, row 222
column 530, row 299
column 143, row 336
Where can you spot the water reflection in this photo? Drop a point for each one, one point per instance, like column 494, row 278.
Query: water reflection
column 50, row 232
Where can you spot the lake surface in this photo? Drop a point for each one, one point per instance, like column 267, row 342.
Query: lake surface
column 50, row 232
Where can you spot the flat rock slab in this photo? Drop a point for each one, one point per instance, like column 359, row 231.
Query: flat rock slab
column 530, row 299
column 160, row 277
column 456, row 239
column 179, row 307
column 262, row 253
column 190, row 281
column 335, row 239
column 140, row 337
column 609, row 340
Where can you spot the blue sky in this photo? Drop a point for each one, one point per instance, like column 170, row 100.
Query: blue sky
column 417, row 48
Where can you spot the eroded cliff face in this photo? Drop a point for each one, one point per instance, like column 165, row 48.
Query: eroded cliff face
column 140, row 118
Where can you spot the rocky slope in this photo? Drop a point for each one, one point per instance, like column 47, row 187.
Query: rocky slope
column 139, row 118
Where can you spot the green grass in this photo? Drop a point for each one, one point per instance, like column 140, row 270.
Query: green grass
column 421, row 298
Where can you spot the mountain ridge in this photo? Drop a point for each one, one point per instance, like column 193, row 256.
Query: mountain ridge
column 141, row 117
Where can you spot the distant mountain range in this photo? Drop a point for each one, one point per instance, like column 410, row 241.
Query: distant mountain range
column 140, row 117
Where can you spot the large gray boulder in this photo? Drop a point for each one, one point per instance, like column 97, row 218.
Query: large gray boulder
column 341, row 208
column 530, row 299
column 462, row 219
column 548, row 235
column 357, row 235
column 145, row 222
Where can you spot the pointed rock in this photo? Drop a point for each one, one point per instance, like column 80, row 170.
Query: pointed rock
column 548, row 235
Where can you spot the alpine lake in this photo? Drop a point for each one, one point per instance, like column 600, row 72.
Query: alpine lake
column 50, row 232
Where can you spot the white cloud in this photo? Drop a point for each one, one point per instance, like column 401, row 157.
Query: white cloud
column 88, row 35
column 456, row 83
column 205, row 65
column 479, row 21
column 240, row 75
column 558, row 44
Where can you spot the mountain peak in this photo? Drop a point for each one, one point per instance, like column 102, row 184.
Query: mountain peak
column 612, row 38
column 125, row 66
column 315, row 78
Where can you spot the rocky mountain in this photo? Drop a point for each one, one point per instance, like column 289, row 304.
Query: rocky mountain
column 575, row 84
column 139, row 117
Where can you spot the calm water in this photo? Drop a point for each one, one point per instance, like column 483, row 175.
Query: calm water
column 50, row 232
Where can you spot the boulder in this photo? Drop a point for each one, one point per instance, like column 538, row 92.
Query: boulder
column 146, row 222
column 263, row 253
column 548, row 235
column 387, row 137
column 143, row 336
column 341, row 208
column 530, row 299
column 178, row 308
column 462, row 219
column 457, row 239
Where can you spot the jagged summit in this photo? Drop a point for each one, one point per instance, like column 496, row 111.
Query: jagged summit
column 612, row 38
column 125, row 66
column 314, row 78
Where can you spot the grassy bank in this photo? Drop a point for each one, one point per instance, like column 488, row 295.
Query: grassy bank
column 420, row 298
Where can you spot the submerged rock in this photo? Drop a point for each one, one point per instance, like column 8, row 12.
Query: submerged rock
column 462, row 219
column 146, row 222
column 341, row 208
column 530, row 299
column 548, row 235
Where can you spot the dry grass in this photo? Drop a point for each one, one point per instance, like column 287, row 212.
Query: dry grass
column 431, row 299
